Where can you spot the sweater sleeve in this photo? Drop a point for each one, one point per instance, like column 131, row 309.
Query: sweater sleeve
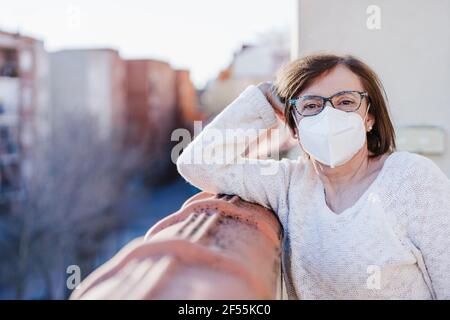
column 429, row 222
column 215, row 160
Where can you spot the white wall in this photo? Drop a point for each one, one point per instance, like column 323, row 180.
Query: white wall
column 68, row 78
column 253, row 62
column 42, row 88
column 410, row 53
column 81, row 80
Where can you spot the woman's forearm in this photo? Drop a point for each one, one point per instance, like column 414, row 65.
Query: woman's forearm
column 215, row 160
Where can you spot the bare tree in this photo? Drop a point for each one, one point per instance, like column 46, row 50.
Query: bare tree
column 72, row 180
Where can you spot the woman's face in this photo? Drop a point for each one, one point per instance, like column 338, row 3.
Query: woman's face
column 339, row 79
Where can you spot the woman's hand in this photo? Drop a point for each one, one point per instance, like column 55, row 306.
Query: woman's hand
column 268, row 89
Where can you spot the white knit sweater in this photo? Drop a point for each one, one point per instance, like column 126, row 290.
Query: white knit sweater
column 393, row 243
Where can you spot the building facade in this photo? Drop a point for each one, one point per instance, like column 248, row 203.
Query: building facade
column 251, row 64
column 91, row 82
column 24, row 102
column 152, row 111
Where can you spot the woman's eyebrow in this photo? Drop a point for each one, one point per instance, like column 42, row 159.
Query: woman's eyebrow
column 310, row 96
column 337, row 92
column 320, row 96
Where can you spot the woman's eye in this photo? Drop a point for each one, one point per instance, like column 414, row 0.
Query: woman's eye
column 346, row 102
column 311, row 106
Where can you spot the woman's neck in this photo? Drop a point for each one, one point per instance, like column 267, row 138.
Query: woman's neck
column 338, row 179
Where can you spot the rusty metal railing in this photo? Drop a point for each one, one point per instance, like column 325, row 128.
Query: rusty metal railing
column 214, row 247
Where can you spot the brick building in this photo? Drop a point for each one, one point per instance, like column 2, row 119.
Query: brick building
column 159, row 100
column 23, row 106
column 187, row 100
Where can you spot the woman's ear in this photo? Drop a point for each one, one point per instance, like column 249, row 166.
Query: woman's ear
column 370, row 122
column 369, row 119
column 295, row 131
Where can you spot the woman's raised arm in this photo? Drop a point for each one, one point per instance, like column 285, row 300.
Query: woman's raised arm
column 216, row 160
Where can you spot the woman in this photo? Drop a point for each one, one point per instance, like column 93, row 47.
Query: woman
column 361, row 220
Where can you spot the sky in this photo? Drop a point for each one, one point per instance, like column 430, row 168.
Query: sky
column 198, row 35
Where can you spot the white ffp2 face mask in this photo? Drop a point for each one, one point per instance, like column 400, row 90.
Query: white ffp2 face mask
column 333, row 136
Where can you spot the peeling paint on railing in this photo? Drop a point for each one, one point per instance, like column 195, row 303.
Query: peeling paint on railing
column 214, row 247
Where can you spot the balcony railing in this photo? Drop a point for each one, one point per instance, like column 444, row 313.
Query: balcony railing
column 214, row 247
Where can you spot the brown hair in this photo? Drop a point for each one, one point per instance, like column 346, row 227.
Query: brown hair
column 299, row 74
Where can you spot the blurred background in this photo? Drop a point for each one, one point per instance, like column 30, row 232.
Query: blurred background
column 91, row 92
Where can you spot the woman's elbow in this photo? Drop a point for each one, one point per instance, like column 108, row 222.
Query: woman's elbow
column 203, row 177
column 184, row 166
column 189, row 169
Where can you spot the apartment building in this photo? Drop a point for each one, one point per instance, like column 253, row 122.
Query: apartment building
column 23, row 106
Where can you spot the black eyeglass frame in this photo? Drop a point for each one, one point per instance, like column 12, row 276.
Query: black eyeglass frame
column 293, row 102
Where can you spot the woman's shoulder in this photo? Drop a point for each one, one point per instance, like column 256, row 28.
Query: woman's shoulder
column 415, row 169
column 412, row 161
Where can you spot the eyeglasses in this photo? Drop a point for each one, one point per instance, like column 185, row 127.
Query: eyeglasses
column 310, row 105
